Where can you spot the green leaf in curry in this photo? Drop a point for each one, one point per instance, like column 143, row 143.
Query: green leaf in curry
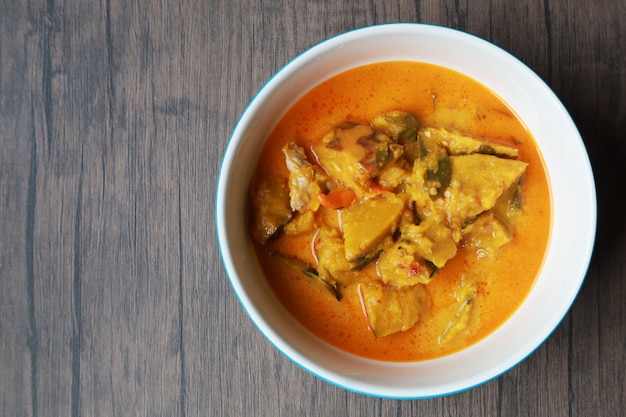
column 311, row 273
column 415, row 149
column 437, row 180
column 333, row 289
column 400, row 126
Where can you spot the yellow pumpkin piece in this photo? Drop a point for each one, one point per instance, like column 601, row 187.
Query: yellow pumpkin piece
column 302, row 223
column 391, row 310
column 332, row 265
column 432, row 240
column 458, row 144
column 509, row 205
column 366, row 224
column 476, row 184
column 487, row 235
column 328, row 217
column 349, row 154
column 399, row 266
column 270, row 208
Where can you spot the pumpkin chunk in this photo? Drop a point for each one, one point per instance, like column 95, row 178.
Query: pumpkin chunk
column 432, row 240
column 400, row 266
column 458, row 144
column 331, row 260
column 487, row 234
column 391, row 310
column 365, row 225
column 476, row 184
column 271, row 210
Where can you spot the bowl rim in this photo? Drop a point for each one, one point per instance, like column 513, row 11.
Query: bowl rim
column 236, row 142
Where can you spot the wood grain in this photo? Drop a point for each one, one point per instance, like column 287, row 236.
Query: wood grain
column 113, row 120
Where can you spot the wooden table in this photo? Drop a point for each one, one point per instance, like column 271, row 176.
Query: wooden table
column 114, row 117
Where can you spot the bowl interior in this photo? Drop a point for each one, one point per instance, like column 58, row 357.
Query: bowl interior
column 570, row 178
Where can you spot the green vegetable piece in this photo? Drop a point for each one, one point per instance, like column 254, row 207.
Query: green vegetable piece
column 409, row 135
column 310, row 272
column 415, row 149
column 400, row 126
column 439, row 179
column 319, row 281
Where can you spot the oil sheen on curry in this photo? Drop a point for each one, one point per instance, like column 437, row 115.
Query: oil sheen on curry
column 400, row 211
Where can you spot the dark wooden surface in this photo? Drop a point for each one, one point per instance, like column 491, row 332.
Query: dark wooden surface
column 114, row 117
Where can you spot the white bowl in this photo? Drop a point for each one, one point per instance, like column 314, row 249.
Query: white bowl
column 570, row 180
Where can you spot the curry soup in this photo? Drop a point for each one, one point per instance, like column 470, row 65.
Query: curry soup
column 461, row 298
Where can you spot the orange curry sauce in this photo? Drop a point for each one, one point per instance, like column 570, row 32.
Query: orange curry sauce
column 439, row 97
